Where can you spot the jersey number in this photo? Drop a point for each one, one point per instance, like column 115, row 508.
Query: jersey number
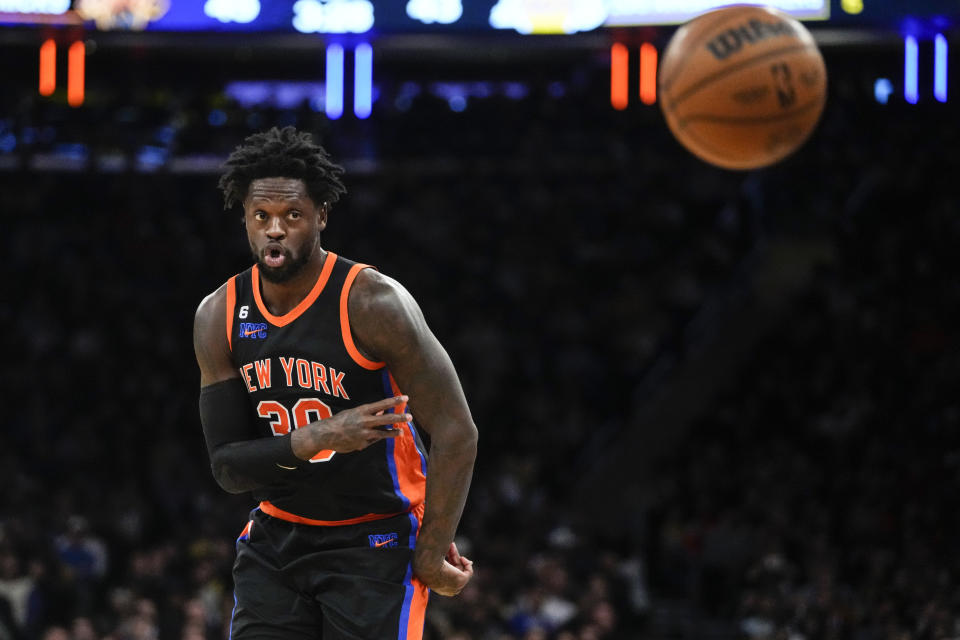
column 306, row 410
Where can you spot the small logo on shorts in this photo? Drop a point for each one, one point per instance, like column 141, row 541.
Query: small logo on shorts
column 378, row 540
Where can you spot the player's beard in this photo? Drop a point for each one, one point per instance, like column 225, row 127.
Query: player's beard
column 290, row 268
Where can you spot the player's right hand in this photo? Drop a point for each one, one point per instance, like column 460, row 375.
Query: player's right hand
column 447, row 579
column 352, row 429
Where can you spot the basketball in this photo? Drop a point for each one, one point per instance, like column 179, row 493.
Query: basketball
column 742, row 87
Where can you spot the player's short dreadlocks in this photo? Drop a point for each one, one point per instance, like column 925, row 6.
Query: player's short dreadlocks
column 281, row 153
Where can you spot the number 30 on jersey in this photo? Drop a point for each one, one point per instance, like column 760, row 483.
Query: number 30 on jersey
column 306, row 410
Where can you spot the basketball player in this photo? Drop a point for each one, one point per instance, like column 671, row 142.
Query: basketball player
column 311, row 370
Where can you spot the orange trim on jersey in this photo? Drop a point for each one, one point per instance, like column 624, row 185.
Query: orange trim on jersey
column 231, row 304
column 406, row 457
column 272, row 510
column 345, row 321
column 297, row 311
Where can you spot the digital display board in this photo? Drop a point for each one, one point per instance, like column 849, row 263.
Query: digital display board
column 431, row 16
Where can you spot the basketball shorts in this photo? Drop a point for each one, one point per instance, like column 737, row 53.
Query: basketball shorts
column 354, row 582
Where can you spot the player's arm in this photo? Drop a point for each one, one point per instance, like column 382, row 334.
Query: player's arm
column 240, row 459
column 388, row 326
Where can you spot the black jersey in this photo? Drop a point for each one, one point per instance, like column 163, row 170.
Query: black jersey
column 302, row 367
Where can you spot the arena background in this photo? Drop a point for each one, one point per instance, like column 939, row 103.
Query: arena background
column 712, row 404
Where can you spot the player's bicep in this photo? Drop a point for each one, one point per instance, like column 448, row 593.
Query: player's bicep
column 389, row 324
column 426, row 373
column 210, row 340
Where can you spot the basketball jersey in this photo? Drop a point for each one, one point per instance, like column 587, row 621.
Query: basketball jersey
column 303, row 366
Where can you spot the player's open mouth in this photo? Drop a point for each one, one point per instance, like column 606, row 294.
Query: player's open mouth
column 274, row 256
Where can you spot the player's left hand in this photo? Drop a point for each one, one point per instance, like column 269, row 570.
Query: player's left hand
column 449, row 577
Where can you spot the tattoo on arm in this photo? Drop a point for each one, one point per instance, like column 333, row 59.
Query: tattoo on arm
column 388, row 325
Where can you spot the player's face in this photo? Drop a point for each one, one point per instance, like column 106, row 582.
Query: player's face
column 283, row 226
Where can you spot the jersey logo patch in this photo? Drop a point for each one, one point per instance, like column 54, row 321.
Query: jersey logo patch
column 378, row 540
column 253, row 330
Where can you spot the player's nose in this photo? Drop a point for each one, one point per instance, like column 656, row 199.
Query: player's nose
column 275, row 229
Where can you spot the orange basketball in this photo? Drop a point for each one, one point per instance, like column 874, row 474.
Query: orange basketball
column 743, row 86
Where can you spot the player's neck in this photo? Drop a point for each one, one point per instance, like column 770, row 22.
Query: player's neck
column 281, row 297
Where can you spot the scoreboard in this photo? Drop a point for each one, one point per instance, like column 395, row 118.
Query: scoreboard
column 375, row 17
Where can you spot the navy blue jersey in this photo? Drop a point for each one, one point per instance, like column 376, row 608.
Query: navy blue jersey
column 302, row 367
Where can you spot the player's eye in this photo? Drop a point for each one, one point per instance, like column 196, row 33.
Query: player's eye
column 294, row 214
column 259, row 215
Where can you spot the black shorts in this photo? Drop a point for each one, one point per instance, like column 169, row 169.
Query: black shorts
column 305, row 581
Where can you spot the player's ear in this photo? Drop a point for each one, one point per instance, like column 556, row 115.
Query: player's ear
column 242, row 206
column 322, row 211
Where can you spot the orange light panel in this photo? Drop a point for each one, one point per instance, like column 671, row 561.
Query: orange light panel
column 619, row 81
column 48, row 67
column 75, row 73
column 648, row 73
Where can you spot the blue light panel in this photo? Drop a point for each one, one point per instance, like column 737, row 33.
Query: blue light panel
column 940, row 67
column 334, row 94
column 911, row 91
column 363, row 80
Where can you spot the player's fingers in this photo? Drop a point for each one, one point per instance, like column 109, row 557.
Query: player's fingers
column 379, row 433
column 381, row 405
column 453, row 582
column 465, row 575
column 388, row 418
column 463, row 571
column 453, row 556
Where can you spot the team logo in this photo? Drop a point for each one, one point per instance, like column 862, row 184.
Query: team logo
column 378, row 540
column 253, row 330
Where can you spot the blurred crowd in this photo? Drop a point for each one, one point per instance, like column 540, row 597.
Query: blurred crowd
column 818, row 499
column 557, row 259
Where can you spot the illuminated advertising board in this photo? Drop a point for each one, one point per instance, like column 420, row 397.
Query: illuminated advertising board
column 377, row 17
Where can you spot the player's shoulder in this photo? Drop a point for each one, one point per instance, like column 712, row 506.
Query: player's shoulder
column 376, row 291
column 211, row 310
column 384, row 317
column 216, row 298
column 211, row 336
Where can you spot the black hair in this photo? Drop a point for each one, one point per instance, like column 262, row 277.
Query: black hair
column 281, row 153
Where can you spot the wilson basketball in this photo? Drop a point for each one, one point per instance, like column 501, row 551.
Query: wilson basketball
column 742, row 87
